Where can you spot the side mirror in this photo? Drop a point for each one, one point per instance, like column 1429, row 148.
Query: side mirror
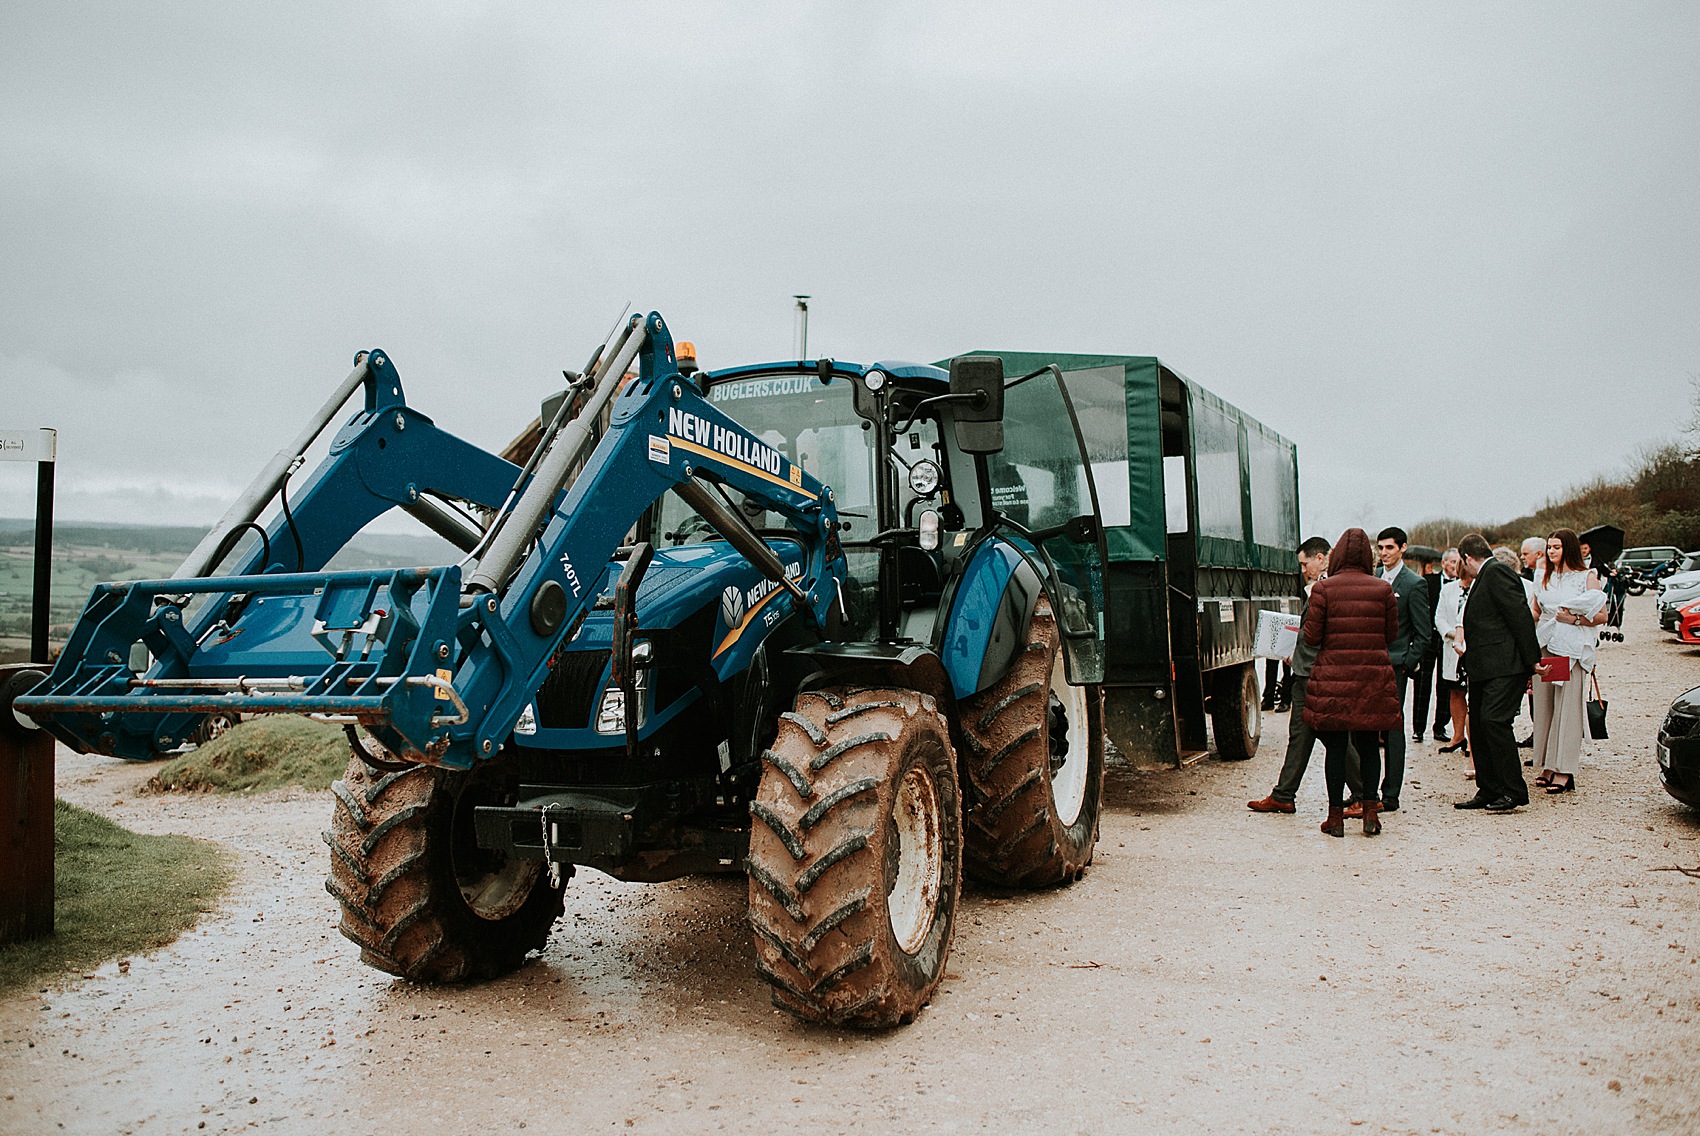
column 979, row 417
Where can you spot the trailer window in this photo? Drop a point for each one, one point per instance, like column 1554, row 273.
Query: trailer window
column 1174, row 494
column 1216, row 464
column 1274, row 491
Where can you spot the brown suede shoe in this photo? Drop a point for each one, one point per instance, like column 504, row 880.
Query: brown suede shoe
column 1355, row 809
column 1269, row 805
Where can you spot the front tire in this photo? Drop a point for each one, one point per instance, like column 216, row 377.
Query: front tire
column 418, row 896
column 1036, row 772
column 855, row 856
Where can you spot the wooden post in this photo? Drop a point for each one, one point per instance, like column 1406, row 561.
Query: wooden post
column 26, row 815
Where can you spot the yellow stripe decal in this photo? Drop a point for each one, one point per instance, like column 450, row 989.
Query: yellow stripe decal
column 743, row 624
column 745, row 466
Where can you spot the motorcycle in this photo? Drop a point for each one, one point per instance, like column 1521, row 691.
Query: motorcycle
column 1638, row 581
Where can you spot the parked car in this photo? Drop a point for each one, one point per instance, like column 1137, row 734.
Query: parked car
column 1647, row 556
column 1679, row 749
column 1688, row 622
column 1675, row 591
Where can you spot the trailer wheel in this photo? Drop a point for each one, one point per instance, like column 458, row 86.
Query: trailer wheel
column 1036, row 768
column 418, row 896
column 855, row 858
column 1236, row 712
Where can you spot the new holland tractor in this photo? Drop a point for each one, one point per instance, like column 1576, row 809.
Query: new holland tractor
column 836, row 626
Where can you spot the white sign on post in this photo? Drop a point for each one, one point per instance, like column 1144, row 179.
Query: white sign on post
column 28, row 445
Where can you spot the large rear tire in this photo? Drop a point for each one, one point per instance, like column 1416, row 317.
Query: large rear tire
column 418, row 896
column 1036, row 771
column 1236, row 712
column 855, row 856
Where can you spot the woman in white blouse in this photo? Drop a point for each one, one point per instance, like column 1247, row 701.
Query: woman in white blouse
column 1569, row 606
column 1448, row 620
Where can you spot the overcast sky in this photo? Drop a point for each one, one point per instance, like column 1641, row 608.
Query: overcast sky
column 1451, row 250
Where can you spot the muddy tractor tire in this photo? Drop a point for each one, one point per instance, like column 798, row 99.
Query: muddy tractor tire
column 855, row 859
column 1035, row 769
column 1236, row 711
column 418, row 896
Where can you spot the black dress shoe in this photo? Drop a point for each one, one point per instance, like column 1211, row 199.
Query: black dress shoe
column 1530, row 744
column 1390, row 805
column 1442, row 736
column 1504, row 804
column 1417, row 738
column 1476, row 802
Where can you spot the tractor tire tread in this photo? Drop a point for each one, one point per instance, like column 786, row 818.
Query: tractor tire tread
column 1014, row 836
column 823, row 938
column 397, row 896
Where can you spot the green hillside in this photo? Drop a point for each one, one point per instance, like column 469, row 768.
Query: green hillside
column 86, row 554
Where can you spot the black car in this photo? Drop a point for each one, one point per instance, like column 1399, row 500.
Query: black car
column 1679, row 749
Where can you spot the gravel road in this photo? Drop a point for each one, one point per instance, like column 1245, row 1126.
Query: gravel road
column 1215, row 972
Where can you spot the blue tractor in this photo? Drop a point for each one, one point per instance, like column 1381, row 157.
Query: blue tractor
column 837, row 626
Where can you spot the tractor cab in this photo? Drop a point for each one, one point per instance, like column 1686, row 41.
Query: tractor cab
column 925, row 464
column 908, row 512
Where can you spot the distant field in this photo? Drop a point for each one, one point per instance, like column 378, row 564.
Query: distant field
column 87, row 554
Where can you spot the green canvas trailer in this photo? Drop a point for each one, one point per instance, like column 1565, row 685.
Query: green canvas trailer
column 1199, row 504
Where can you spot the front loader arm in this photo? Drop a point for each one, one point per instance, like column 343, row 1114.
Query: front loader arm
column 662, row 435
column 439, row 671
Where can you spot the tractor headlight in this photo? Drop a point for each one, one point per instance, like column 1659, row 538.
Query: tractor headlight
column 929, row 534
column 875, row 380
column 611, row 713
column 924, row 478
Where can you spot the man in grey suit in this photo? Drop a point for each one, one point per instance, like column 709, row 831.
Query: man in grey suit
column 1416, row 629
column 1500, row 653
column 1301, row 739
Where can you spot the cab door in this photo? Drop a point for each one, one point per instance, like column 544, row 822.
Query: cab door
column 1046, row 504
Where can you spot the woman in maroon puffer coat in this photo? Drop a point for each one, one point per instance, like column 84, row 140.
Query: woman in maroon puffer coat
column 1352, row 618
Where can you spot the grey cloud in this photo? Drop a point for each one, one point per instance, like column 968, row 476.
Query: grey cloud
column 1401, row 236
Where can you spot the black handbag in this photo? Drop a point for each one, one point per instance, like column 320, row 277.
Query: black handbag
column 1597, row 713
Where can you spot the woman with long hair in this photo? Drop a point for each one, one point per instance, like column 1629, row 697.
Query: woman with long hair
column 1569, row 606
column 1350, row 698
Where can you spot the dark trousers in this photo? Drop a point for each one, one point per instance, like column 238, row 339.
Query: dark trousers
column 1493, row 708
column 1274, row 694
column 1442, row 700
column 1338, row 746
column 1395, row 778
column 1301, row 740
column 1442, row 703
column 1422, row 686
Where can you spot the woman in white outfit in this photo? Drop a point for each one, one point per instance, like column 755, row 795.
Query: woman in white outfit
column 1566, row 617
column 1448, row 620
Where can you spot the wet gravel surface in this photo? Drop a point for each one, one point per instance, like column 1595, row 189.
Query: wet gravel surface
column 1215, row 972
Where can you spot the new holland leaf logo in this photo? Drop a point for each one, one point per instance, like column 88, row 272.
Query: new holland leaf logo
column 732, row 605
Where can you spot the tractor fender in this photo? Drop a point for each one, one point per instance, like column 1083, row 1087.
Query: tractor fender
column 907, row 665
column 989, row 616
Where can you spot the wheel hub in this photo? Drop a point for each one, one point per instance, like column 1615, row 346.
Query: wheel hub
column 1070, row 746
column 914, row 893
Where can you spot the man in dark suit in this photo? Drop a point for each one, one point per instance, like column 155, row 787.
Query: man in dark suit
column 1500, row 653
column 1416, row 629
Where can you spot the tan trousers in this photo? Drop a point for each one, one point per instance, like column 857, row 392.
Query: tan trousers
column 1560, row 722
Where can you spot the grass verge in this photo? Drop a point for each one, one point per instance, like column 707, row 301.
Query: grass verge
column 115, row 893
column 273, row 752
